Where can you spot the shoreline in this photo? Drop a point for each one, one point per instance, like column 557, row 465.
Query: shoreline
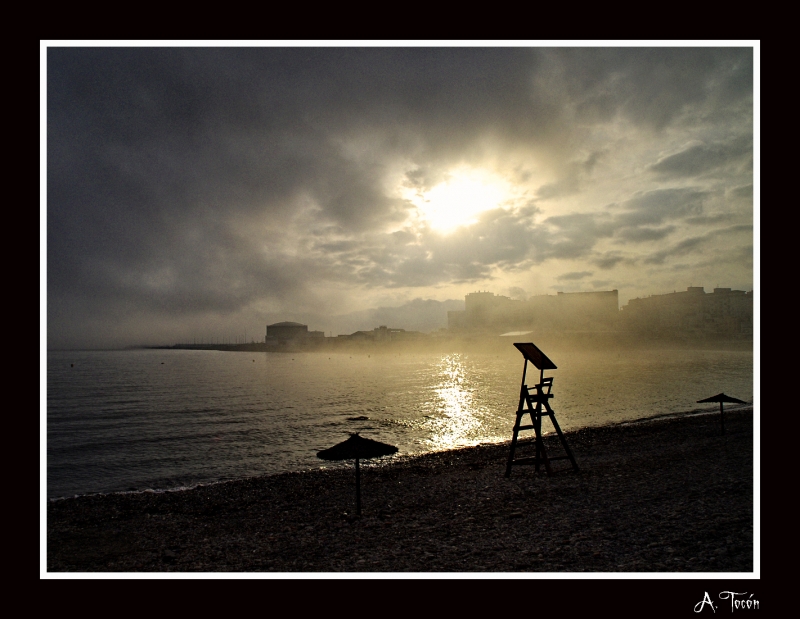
column 463, row 342
column 682, row 489
column 475, row 343
column 399, row 458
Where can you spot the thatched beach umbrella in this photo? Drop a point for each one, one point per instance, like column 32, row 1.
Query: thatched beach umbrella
column 357, row 448
column 721, row 397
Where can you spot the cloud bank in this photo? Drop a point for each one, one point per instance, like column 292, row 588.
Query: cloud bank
column 202, row 190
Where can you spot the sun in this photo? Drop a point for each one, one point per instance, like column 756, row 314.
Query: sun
column 460, row 199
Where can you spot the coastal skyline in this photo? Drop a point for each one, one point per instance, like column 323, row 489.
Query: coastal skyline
column 218, row 189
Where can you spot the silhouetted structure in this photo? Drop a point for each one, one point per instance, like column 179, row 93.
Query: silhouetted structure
column 565, row 311
column 383, row 334
column 286, row 331
column 535, row 402
column 685, row 315
column 721, row 397
column 357, row 447
column 691, row 313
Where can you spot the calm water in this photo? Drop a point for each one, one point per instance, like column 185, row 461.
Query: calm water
column 123, row 420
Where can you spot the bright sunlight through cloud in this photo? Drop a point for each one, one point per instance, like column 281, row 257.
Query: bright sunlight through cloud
column 459, row 200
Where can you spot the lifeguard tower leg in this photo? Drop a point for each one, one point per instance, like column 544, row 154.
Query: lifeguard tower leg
column 561, row 437
column 520, row 411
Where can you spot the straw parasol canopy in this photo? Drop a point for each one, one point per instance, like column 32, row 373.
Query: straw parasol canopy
column 721, row 397
column 356, row 448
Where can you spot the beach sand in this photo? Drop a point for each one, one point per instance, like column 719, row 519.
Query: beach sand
column 668, row 495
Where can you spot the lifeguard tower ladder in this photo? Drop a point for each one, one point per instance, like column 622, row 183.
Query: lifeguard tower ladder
column 537, row 400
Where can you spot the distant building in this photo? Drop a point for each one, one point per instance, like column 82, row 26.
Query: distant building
column 385, row 334
column 692, row 312
column 382, row 334
column 287, row 331
column 565, row 311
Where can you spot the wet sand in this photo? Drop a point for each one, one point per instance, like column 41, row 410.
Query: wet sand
column 669, row 495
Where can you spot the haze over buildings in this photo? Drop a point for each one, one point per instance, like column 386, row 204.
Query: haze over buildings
column 209, row 192
column 691, row 315
column 577, row 311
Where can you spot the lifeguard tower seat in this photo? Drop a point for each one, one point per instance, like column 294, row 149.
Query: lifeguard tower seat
column 535, row 401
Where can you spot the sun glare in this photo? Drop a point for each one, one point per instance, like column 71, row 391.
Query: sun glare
column 459, row 200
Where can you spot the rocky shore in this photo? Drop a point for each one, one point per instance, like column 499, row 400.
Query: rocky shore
column 669, row 495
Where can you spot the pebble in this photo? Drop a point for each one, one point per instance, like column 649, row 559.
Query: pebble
column 624, row 512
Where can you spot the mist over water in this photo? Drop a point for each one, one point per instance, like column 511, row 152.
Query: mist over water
column 125, row 420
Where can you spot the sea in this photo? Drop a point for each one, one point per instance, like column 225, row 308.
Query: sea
column 159, row 419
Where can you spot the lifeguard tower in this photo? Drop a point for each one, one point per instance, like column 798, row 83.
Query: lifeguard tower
column 535, row 401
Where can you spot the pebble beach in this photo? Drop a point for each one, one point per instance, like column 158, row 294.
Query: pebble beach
column 673, row 494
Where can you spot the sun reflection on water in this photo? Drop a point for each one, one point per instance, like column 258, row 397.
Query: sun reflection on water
column 454, row 418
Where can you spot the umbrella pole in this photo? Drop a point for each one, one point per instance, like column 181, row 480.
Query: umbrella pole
column 721, row 418
column 358, row 489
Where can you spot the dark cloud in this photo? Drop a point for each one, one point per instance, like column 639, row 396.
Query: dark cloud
column 651, row 86
column 575, row 275
column 187, row 183
column 607, row 260
column 642, row 234
column 653, row 207
column 574, row 235
column 707, row 220
column 500, row 239
column 564, row 187
column 571, row 179
column 700, row 158
column 695, row 243
column 745, row 191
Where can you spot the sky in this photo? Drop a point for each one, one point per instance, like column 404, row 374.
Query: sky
column 204, row 192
